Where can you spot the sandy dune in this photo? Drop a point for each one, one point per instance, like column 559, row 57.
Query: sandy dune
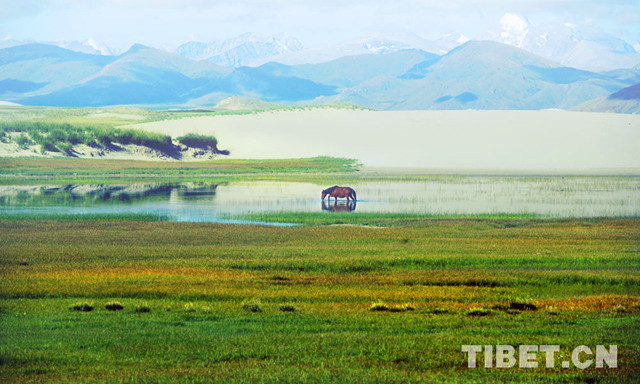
column 548, row 140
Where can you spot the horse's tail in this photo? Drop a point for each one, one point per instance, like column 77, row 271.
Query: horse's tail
column 353, row 193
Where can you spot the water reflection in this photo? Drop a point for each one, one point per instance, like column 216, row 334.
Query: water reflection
column 100, row 194
column 202, row 201
column 342, row 206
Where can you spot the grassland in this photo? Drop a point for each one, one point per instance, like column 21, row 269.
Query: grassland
column 265, row 304
column 14, row 170
column 118, row 116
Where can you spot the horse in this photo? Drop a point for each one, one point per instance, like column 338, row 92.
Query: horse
column 336, row 192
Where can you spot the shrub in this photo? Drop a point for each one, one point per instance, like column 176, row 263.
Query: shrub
column 81, row 307
column 23, row 141
column 253, row 305
column 189, row 307
column 47, row 144
column 114, row 306
column 66, row 147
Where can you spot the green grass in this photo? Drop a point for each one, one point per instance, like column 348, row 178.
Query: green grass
column 469, row 281
column 120, row 116
column 16, row 170
column 81, row 217
column 373, row 218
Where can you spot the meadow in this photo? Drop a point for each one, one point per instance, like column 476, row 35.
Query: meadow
column 240, row 303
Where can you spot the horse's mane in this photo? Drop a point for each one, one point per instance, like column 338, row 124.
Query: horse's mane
column 330, row 189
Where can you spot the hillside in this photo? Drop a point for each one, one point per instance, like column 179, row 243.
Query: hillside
column 476, row 75
column 626, row 100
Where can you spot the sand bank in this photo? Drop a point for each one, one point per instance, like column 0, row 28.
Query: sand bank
column 550, row 140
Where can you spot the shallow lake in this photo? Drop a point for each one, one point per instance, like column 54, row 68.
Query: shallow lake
column 211, row 202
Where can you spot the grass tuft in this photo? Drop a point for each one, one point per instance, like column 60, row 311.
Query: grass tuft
column 114, row 306
column 252, row 305
column 143, row 308
column 479, row 312
column 523, row 306
column 81, row 307
column 287, row 308
column 382, row 307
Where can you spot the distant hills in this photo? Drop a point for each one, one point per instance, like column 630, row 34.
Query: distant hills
column 475, row 75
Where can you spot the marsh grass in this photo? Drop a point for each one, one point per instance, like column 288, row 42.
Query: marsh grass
column 83, row 217
column 461, row 275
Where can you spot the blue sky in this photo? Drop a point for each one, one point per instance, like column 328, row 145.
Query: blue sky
column 168, row 23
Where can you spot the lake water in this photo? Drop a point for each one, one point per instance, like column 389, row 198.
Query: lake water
column 210, row 202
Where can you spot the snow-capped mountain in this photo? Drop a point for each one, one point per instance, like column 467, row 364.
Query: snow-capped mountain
column 244, row 50
column 565, row 43
column 372, row 44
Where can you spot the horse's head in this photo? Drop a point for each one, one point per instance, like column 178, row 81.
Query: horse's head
column 328, row 191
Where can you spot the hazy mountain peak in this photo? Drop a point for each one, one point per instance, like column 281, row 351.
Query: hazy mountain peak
column 566, row 43
column 246, row 49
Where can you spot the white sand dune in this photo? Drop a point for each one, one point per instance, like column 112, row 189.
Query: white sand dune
column 541, row 140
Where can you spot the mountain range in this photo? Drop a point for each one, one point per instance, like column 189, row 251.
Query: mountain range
column 474, row 75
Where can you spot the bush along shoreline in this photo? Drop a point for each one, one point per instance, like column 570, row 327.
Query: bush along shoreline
column 68, row 140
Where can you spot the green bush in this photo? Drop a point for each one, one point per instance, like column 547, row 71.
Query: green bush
column 66, row 147
column 198, row 141
column 48, row 145
column 24, row 141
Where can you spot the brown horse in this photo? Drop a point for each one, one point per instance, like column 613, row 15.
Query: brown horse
column 336, row 192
